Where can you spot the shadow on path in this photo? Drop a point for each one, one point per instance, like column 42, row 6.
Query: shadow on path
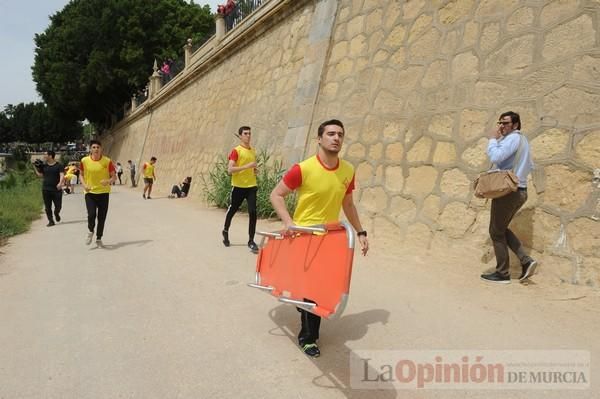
column 118, row 245
column 334, row 362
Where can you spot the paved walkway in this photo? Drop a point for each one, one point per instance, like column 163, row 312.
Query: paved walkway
column 164, row 312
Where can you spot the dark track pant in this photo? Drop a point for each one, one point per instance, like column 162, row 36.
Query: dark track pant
column 238, row 195
column 502, row 212
column 309, row 333
column 97, row 205
column 51, row 197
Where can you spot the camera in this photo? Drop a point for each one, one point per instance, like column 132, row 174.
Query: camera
column 39, row 165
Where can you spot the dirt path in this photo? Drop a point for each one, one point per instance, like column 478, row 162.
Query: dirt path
column 164, row 312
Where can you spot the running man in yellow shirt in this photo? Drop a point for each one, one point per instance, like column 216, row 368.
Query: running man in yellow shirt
column 324, row 183
column 97, row 173
column 242, row 168
column 149, row 177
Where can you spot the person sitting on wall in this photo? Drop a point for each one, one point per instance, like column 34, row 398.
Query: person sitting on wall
column 182, row 190
column 226, row 9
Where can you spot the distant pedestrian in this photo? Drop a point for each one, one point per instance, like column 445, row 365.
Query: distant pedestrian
column 132, row 172
column 149, row 177
column 119, row 172
column 53, row 175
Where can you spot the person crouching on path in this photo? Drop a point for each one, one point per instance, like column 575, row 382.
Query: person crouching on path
column 97, row 174
column 324, row 183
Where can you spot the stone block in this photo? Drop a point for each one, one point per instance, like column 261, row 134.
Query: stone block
column 450, row 43
column 394, row 178
column 339, row 51
column 394, row 152
column 420, row 151
column 395, row 38
column 445, row 153
column 543, row 80
column 358, row 46
column 584, row 236
column 521, row 19
column 374, row 21
column 441, row 125
column 426, row 47
column 456, row 218
column 488, row 94
column 364, row 174
column 431, row 207
column 436, row 74
column 375, row 151
column 421, row 24
column 391, row 15
column 402, row 210
column 536, row 228
column 470, row 34
column 455, row 183
column 381, row 57
column 589, row 272
column 512, row 58
column 575, row 106
column 587, row 68
column 375, row 41
column 356, row 150
column 372, row 130
column 344, row 67
column 465, row 65
column 588, row 149
column 550, row 143
column 476, row 155
column 374, row 199
column 557, row 10
column 399, row 57
column 412, row 8
column 455, row 10
column 355, row 26
column 392, row 131
column 472, row 123
column 489, row 36
column 490, row 8
column 388, row 102
column 421, row 180
column 566, row 189
column 569, row 38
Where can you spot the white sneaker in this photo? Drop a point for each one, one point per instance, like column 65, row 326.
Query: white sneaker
column 90, row 236
column 99, row 244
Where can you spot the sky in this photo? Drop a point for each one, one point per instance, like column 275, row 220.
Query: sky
column 20, row 20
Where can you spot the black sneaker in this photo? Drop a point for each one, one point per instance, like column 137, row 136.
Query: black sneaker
column 528, row 270
column 253, row 247
column 50, row 224
column 144, row 196
column 495, row 278
column 57, row 217
column 225, row 238
column 311, row 350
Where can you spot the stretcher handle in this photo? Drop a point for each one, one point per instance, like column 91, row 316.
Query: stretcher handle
column 310, row 230
column 261, row 287
column 270, row 234
column 302, row 304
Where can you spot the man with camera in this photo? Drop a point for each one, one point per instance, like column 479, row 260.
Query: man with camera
column 53, row 176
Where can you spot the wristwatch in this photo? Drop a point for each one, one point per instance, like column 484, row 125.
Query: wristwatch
column 361, row 233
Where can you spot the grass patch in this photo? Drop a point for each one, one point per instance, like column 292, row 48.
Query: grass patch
column 216, row 184
column 21, row 199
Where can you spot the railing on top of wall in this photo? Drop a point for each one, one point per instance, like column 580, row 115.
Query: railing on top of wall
column 242, row 9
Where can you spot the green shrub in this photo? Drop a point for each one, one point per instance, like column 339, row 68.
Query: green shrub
column 21, row 199
column 216, row 185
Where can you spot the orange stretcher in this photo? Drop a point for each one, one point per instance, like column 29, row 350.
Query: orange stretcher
column 313, row 263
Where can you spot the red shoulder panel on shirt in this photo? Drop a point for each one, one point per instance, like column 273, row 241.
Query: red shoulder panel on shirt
column 233, row 155
column 293, row 177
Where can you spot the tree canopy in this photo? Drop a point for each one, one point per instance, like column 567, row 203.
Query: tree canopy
column 36, row 123
column 96, row 53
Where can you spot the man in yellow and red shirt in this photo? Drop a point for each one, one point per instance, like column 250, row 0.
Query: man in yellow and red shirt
column 97, row 173
column 242, row 168
column 324, row 183
column 149, row 177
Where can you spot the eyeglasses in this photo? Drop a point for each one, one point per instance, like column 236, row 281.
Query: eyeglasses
column 503, row 123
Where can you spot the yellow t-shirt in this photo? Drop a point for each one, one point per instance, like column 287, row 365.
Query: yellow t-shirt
column 148, row 170
column 243, row 156
column 96, row 171
column 320, row 190
column 70, row 173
